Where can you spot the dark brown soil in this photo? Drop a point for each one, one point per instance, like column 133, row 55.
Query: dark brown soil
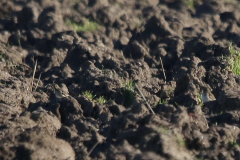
column 137, row 43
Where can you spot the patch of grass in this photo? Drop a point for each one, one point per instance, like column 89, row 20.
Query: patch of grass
column 233, row 144
column 234, row 59
column 190, row 3
column 89, row 95
column 161, row 101
column 128, row 92
column 102, row 100
column 87, row 26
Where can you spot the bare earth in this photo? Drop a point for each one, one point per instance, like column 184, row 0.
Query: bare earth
column 138, row 42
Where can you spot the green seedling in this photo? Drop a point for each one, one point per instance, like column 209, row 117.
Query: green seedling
column 89, row 95
column 162, row 101
column 87, row 26
column 19, row 43
column 200, row 100
column 234, row 59
column 190, row 3
column 233, row 144
column 102, row 100
column 128, row 93
column 90, row 129
column 155, row 104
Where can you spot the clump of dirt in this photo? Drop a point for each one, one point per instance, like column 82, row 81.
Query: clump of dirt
column 116, row 79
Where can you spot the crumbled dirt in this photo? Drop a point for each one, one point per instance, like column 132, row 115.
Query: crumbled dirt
column 169, row 50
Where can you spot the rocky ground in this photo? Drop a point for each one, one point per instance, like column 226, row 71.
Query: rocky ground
column 107, row 57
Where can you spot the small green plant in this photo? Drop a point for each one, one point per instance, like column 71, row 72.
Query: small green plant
column 128, row 92
column 200, row 100
column 102, row 100
column 190, row 3
column 233, row 144
column 162, row 101
column 234, row 59
column 90, row 129
column 19, row 42
column 89, row 95
column 87, row 26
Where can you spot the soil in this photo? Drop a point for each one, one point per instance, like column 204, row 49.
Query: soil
column 168, row 49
